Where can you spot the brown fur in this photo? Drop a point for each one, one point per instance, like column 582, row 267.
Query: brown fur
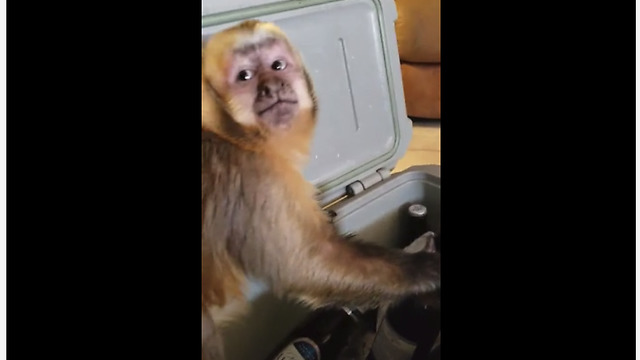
column 259, row 214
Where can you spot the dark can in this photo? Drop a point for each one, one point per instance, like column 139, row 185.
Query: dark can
column 416, row 222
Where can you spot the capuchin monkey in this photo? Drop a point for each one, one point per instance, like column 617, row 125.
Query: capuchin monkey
column 260, row 217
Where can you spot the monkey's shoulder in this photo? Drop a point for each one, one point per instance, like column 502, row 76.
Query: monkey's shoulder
column 224, row 161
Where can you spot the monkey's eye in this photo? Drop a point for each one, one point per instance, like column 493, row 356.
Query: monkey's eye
column 245, row 75
column 279, row 65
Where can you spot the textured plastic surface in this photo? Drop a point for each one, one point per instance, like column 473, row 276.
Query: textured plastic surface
column 349, row 47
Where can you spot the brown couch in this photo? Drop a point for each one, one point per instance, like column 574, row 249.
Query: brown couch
column 418, row 33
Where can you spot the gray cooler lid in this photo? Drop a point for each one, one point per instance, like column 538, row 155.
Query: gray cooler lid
column 350, row 50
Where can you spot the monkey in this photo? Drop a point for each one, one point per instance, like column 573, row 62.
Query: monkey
column 260, row 216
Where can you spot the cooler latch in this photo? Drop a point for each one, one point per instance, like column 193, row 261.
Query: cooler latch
column 361, row 185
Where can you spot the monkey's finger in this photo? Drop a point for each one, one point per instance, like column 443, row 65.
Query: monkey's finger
column 431, row 298
column 426, row 242
column 431, row 242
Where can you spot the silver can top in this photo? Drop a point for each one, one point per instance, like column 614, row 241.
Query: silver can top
column 417, row 210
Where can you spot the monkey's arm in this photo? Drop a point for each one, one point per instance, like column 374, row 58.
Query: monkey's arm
column 322, row 268
column 365, row 275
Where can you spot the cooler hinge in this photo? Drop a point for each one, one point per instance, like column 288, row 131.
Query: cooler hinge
column 361, row 185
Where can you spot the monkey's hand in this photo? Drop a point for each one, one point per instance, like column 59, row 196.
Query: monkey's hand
column 426, row 243
column 425, row 266
column 212, row 347
column 430, row 299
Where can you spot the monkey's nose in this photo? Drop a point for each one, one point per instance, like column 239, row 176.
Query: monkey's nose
column 270, row 87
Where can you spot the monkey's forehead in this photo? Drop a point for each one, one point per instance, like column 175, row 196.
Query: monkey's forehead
column 261, row 30
column 249, row 33
column 245, row 39
column 253, row 44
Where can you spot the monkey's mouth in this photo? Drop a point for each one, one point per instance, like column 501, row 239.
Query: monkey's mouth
column 279, row 105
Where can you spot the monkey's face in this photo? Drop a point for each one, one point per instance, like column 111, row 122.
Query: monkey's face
column 262, row 75
column 258, row 74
